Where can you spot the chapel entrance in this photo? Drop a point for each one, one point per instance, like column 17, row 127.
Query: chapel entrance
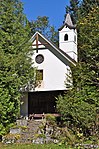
column 42, row 102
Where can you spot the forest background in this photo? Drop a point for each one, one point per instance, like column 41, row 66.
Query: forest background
column 79, row 106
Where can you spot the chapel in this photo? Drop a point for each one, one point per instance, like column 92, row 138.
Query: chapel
column 53, row 70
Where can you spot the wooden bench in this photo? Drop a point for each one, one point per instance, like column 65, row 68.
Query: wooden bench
column 36, row 116
column 42, row 116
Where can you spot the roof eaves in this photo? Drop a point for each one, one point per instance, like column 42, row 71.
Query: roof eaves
column 73, row 62
column 33, row 37
column 59, row 50
column 69, row 26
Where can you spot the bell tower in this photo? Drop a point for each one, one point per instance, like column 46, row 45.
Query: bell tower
column 68, row 38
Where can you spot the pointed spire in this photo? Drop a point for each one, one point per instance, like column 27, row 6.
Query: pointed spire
column 68, row 20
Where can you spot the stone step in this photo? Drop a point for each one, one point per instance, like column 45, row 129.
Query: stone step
column 32, row 128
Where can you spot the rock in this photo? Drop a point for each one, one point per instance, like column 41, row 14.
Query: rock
column 22, row 122
column 15, row 130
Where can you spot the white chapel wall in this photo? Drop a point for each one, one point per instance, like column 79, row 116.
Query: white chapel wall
column 54, row 71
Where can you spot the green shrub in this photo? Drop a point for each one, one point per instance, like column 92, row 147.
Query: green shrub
column 51, row 119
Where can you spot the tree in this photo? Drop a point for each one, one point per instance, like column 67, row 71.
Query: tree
column 43, row 26
column 15, row 61
column 87, row 5
column 80, row 8
column 73, row 9
column 88, row 44
column 80, row 105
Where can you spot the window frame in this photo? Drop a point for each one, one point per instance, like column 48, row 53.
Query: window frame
column 66, row 37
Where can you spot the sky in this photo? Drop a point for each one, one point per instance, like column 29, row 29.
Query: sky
column 54, row 9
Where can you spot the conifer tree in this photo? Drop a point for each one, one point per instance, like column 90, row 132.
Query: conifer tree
column 87, row 5
column 15, row 61
column 73, row 9
column 80, row 105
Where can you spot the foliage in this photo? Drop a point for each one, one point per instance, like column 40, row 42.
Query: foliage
column 73, row 9
column 80, row 105
column 76, row 109
column 15, row 61
column 40, row 136
column 88, row 45
column 11, row 137
column 43, row 26
column 88, row 38
column 34, row 146
column 80, row 8
column 87, row 5
column 51, row 119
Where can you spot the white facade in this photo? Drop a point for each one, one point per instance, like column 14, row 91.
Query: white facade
column 55, row 66
column 70, row 45
column 56, row 63
column 54, row 71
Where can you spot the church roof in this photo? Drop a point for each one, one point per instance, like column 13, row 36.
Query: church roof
column 68, row 22
column 65, row 58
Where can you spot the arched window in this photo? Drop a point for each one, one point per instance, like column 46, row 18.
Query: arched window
column 74, row 38
column 65, row 37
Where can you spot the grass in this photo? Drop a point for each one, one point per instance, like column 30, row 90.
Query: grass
column 32, row 146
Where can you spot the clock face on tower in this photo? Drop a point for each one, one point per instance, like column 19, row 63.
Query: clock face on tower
column 39, row 58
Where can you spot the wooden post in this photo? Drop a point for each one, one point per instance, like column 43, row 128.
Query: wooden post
column 37, row 43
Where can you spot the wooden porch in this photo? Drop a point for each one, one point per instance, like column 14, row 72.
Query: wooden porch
column 42, row 103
